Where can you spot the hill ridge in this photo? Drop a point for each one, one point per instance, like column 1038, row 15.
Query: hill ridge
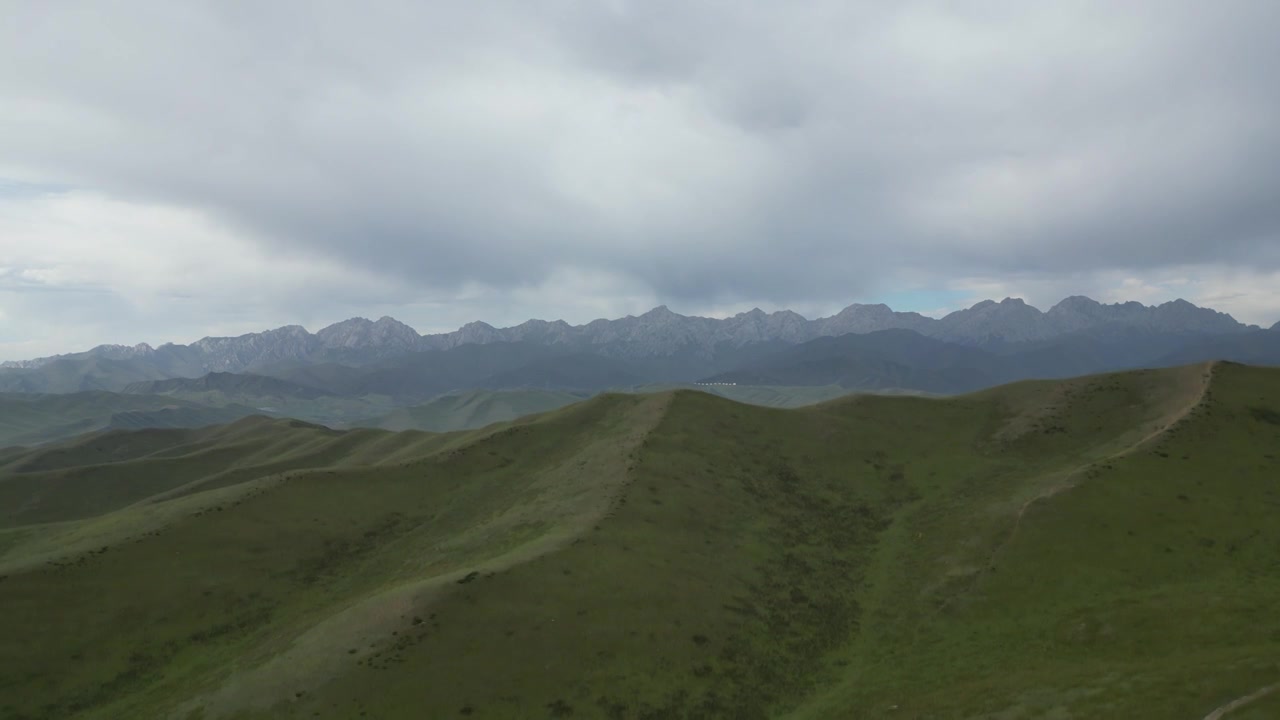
column 678, row 555
column 353, row 625
column 662, row 332
column 1164, row 426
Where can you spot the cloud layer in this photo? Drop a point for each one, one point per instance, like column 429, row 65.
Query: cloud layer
column 293, row 161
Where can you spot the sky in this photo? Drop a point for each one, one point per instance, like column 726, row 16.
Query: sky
column 175, row 170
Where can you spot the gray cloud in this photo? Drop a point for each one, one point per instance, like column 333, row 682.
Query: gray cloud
column 708, row 151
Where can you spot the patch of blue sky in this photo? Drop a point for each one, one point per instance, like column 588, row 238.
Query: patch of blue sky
column 924, row 300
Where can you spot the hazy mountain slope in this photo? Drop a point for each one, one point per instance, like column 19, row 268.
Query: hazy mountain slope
column 473, row 409
column 577, row 371
column 231, row 384
column 1033, row 550
column 76, row 375
column 657, row 337
column 424, row 375
column 276, row 396
column 875, row 361
column 30, row 419
column 904, row 359
column 1260, row 347
column 327, row 377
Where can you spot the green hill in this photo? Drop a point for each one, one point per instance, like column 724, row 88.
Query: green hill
column 31, row 419
column 474, row 409
column 1102, row 547
column 478, row 408
column 775, row 396
column 269, row 395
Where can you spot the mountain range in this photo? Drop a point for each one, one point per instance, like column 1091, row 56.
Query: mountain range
column 658, row 332
column 360, row 368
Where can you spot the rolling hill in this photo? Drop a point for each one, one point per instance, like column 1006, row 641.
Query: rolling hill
column 31, row 419
column 229, row 384
column 907, row 360
column 1096, row 547
column 264, row 394
column 473, row 409
column 477, row 408
column 888, row 359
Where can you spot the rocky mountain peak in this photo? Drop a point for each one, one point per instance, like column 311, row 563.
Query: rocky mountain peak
column 662, row 312
column 121, row 352
column 661, row 331
column 859, row 309
column 1010, row 320
column 1076, row 303
column 360, row 332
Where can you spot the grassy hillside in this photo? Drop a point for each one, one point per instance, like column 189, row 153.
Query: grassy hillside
column 478, row 408
column 270, row 395
column 1099, row 547
column 474, row 409
column 31, row 419
column 775, row 396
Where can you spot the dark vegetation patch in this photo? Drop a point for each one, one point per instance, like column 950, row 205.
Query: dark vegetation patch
column 1265, row 414
column 802, row 606
column 339, row 552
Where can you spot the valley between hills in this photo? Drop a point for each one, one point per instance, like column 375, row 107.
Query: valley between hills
column 1101, row 546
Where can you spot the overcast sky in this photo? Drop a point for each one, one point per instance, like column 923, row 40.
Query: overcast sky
column 170, row 170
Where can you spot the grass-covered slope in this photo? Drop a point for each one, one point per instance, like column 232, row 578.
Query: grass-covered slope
column 774, row 396
column 477, row 408
column 1100, row 547
column 474, row 409
column 34, row 418
column 270, row 395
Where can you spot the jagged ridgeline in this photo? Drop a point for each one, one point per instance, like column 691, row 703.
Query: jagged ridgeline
column 1097, row 547
column 993, row 342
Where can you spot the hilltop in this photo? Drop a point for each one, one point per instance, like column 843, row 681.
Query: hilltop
column 473, row 409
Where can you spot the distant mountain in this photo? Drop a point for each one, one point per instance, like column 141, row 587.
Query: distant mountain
column 576, row 371
column 659, row 345
column 105, row 352
column 1260, row 347
column 77, row 373
column 903, row 359
column 662, row 332
column 499, row 365
column 1013, row 321
column 31, row 419
column 877, row 361
column 259, row 386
